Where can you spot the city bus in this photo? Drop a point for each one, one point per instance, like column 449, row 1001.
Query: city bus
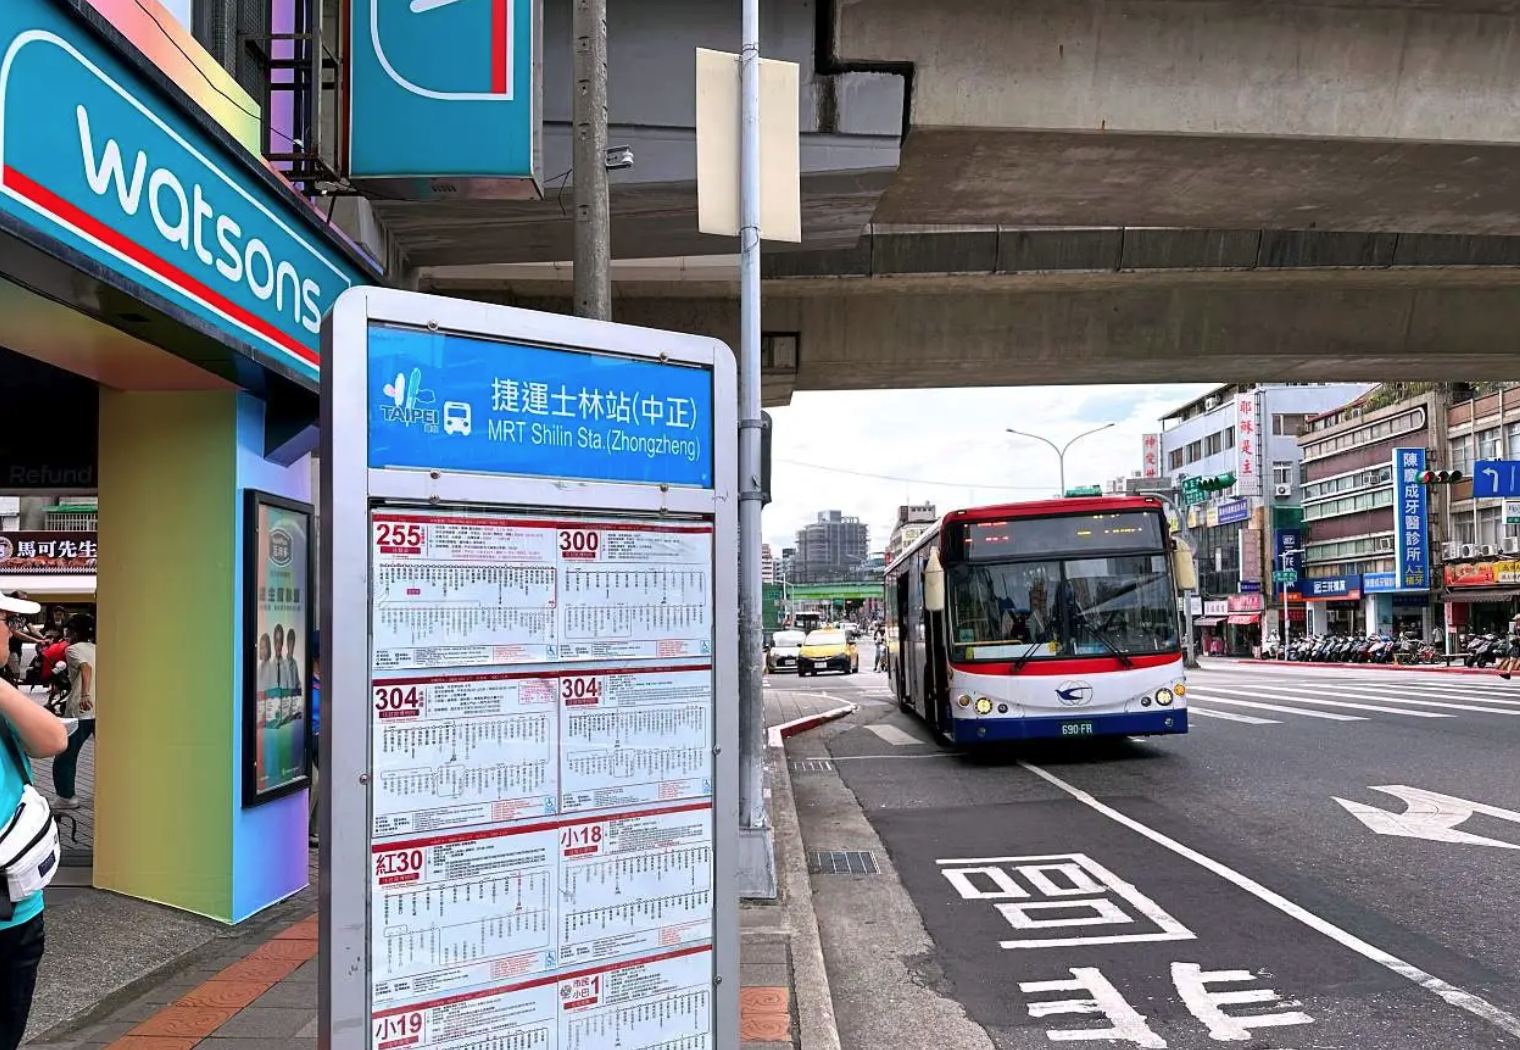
column 1052, row 618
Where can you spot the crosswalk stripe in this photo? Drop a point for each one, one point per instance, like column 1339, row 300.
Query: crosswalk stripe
column 1467, row 693
column 1328, row 715
column 892, row 735
column 1273, row 694
column 1417, row 702
column 1230, row 716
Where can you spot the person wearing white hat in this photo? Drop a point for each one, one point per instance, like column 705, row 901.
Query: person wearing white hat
column 27, row 731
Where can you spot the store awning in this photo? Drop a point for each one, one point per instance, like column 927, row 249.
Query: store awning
column 1480, row 594
column 43, row 585
column 1241, row 619
column 1208, row 621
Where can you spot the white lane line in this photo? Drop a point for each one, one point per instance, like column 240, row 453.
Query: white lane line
column 1194, row 694
column 1299, row 698
column 894, row 736
column 891, row 757
column 1463, row 1000
column 1232, row 717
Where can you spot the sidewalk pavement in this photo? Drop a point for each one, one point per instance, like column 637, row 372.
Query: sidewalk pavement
column 122, row 974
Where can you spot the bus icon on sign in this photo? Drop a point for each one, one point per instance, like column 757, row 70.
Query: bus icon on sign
column 454, row 50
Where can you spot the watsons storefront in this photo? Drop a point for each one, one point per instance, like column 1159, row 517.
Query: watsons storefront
column 174, row 285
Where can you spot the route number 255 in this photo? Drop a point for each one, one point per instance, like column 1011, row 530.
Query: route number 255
column 396, row 534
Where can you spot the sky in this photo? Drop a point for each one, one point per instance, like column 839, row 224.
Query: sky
column 950, row 446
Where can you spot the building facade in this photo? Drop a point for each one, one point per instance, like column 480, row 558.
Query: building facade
column 831, row 549
column 913, row 519
column 1360, row 501
column 1480, row 577
column 1249, row 431
column 767, row 564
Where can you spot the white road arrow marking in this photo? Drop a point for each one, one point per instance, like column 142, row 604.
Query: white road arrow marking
column 422, row 6
column 1429, row 816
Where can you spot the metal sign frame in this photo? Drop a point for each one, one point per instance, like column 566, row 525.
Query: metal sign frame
column 351, row 491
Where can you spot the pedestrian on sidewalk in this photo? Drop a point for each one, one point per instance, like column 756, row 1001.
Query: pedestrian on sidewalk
column 80, row 704
column 1511, row 658
column 27, row 730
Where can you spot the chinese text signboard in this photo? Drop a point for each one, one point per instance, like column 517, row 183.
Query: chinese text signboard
column 1248, row 445
column 1331, row 588
column 1245, row 603
column 1481, row 574
column 1150, row 455
column 441, row 401
column 1411, row 520
column 48, row 553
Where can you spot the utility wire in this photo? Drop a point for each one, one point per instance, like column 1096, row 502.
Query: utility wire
column 916, row 481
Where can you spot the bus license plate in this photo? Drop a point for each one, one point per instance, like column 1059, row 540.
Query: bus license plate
column 1076, row 729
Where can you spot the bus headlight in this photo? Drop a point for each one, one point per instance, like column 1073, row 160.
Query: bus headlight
column 1164, row 697
column 983, row 705
column 1180, row 689
column 963, row 700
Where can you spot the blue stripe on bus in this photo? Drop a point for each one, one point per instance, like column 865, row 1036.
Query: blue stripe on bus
column 1003, row 729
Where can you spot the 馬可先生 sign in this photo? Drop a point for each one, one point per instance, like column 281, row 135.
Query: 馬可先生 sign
column 48, row 553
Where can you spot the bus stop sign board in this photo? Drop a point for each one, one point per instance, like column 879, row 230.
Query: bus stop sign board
column 530, row 789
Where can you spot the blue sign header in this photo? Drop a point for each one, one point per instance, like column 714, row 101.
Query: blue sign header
column 1378, row 582
column 1331, row 587
column 94, row 158
column 1411, row 520
column 1233, row 510
column 443, row 88
column 448, row 402
column 1496, row 479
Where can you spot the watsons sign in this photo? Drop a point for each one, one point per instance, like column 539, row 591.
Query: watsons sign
column 96, row 159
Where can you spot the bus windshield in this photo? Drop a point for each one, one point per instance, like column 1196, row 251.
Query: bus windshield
column 1121, row 605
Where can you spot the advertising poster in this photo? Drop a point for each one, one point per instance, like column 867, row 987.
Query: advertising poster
column 277, row 654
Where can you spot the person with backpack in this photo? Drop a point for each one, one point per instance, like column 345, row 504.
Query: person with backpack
column 27, row 731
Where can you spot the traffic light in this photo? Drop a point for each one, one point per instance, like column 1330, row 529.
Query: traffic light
column 1440, row 477
column 1216, row 483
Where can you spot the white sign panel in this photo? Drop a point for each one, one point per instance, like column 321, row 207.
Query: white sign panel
column 529, row 818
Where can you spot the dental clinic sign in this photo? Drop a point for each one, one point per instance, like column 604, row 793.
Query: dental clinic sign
column 94, row 157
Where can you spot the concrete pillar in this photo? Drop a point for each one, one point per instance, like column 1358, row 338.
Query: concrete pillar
column 170, row 826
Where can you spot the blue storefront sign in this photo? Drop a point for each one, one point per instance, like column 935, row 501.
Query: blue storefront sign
column 444, row 88
column 1331, row 587
column 1411, row 519
column 95, row 158
column 1233, row 510
column 448, row 402
column 1378, row 582
column 1288, row 549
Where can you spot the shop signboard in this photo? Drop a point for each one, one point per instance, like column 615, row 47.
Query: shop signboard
column 1150, row 455
column 525, row 642
column 1411, row 534
column 1216, row 607
column 91, row 156
column 447, row 90
column 1379, row 582
column 1287, row 547
column 1233, row 510
column 48, row 553
column 1250, row 586
column 1482, row 574
column 1248, row 444
column 1331, row 588
column 1244, row 603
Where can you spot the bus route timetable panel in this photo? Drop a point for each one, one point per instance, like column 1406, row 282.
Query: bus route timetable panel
column 541, row 790
column 462, row 590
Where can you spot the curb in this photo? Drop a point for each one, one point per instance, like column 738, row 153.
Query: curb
column 774, row 735
column 817, row 1028
column 1428, row 668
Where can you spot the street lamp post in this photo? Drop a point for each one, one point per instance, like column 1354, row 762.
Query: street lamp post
column 1060, row 450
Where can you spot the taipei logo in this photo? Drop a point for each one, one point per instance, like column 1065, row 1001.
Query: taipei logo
column 405, row 401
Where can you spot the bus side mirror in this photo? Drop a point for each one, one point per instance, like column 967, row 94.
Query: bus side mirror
column 934, row 584
column 1182, row 568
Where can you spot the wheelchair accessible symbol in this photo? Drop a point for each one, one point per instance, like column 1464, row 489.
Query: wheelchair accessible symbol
column 454, row 50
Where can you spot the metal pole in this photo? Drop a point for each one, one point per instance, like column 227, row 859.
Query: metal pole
column 757, row 869
column 593, row 213
column 1060, row 450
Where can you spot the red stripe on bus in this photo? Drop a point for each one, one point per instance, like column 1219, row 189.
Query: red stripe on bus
column 1079, row 665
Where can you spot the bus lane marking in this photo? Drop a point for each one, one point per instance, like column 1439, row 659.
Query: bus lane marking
column 1059, row 892
column 1473, row 1004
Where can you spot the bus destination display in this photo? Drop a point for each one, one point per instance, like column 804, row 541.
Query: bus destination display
column 541, row 753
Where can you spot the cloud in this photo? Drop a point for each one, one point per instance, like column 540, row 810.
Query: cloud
column 952, row 445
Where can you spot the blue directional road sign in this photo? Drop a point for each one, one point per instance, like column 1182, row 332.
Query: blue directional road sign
column 1496, row 477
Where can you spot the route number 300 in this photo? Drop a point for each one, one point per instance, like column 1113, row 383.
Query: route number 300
column 579, row 541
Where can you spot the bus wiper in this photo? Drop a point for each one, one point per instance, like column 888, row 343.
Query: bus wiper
column 1102, row 636
column 1018, row 665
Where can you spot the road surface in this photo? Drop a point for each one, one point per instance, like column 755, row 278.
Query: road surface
column 1329, row 860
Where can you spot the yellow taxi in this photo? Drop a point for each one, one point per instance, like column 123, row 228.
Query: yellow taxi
column 830, row 649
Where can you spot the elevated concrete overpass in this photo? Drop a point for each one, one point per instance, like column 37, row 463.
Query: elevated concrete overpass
column 1040, row 191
